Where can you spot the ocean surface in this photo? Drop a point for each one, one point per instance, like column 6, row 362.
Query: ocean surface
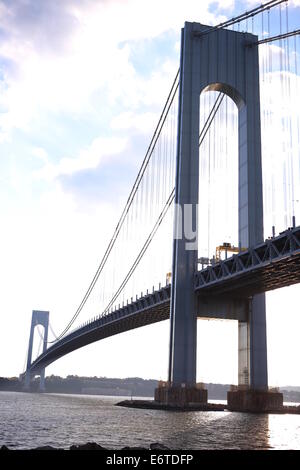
column 30, row 420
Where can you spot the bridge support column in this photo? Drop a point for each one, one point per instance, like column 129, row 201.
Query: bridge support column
column 182, row 389
column 27, row 382
column 252, row 393
column 258, row 343
column 42, row 387
column 39, row 317
column 243, row 353
column 252, row 347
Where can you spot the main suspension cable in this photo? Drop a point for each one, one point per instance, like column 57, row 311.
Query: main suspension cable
column 242, row 17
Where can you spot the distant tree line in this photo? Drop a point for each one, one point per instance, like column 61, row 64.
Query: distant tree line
column 133, row 386
column 101, row 385
column 87, row 385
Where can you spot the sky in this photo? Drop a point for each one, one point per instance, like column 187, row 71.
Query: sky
column 82, row 84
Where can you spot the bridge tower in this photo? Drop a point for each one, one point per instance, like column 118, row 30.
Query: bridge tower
column 39, row 317
column 219, row 60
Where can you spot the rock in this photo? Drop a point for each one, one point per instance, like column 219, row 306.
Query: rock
column 46, row 448
column 4, row 448
column 158, row 446
column 134, row 448
column 88, row 446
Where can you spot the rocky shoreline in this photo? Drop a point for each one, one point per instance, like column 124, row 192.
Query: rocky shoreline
column 94, row 446
column 153, row 405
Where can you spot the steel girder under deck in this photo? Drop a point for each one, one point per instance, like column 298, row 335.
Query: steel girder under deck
column 267, row 266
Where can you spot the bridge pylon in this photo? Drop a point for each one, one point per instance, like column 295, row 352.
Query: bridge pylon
column 39, row 317
column 218, row 60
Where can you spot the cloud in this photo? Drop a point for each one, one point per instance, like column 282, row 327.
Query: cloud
column 143, row 122
column 88, row 158
column 40, row 153
column 56, row 55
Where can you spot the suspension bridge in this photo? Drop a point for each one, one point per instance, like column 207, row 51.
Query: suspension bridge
column 210, row 222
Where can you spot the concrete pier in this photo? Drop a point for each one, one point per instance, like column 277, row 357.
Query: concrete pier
column 254, row 401
column 180, row 396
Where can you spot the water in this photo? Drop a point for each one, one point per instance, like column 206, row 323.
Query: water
column 31, row 420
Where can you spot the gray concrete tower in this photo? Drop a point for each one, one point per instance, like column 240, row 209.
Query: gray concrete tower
column 220, row 60
column 39, row 317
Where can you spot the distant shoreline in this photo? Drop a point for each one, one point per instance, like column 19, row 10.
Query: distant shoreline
column 115, row 387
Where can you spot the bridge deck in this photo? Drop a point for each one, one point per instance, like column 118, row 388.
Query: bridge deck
column 149, row 309
column 270, row 265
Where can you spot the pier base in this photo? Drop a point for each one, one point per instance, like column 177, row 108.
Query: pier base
column 180, row 396
column 254, row 401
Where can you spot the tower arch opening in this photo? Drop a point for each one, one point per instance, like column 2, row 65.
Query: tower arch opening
column 228, row 90
column 218, row 176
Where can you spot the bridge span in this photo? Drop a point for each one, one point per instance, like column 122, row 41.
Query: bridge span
column 223, row 291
